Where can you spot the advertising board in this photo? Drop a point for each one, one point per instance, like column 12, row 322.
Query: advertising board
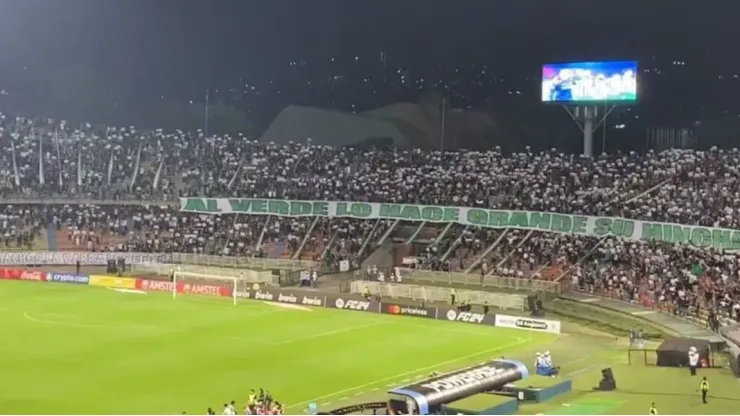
column 112, row 281
column 529, row 324
column 182, row 287
column 289, row 297
column 21, row 274
column 469, row 317
column 360, row 305
column 79, row 279
column 578, row 82
column 405, row 310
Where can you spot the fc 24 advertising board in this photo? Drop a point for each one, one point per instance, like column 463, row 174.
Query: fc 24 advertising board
column 360, row 305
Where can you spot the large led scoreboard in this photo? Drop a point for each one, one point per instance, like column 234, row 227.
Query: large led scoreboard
column 590, row 82
column 586, row 89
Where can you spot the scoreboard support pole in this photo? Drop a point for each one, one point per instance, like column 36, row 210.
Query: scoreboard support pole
column 588, row 119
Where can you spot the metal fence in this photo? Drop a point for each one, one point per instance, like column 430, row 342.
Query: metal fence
column 440, row 294
column 511, row 283
column 642, row 357
column 281, row 272
column 164, row 269
column 242, row 262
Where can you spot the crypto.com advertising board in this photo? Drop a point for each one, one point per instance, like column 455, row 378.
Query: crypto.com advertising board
column 584, row 82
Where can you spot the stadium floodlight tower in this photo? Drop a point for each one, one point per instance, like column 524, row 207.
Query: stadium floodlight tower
column 583, row 88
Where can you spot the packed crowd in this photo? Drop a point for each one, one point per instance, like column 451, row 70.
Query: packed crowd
column 52, row 159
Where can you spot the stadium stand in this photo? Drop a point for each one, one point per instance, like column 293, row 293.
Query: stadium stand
column 106, row 188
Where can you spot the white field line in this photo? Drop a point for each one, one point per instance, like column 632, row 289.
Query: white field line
column 327, row 333
column 68, row 321
column 88, row 324
column 445, row 328
column 310, row 337
column 573, row 373
column 519, row 341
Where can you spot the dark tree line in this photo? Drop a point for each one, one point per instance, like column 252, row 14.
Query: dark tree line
column 81, row 95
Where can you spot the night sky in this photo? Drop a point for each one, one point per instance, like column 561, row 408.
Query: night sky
column 290, row 48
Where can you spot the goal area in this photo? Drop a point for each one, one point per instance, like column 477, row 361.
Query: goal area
column 187, row 283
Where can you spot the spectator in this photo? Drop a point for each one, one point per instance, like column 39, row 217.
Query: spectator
column 140, row 173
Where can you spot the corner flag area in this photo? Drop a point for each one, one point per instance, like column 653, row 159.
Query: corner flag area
column 70, row 349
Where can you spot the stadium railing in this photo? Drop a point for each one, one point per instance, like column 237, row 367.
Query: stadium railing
column 511, row 283
column 242, row 262
column 439, row 294
column 165, row 269
column 87, row 200
column 132, row 257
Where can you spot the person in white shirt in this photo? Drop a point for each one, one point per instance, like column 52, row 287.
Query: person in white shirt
column 693, row 360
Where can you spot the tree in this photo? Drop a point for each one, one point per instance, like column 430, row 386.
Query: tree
column 81, row 95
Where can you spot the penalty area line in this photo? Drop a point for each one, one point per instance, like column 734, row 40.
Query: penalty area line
column 65, row 322
column 519, row 341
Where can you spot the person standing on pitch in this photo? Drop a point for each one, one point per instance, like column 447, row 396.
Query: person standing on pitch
column 653, row 410
column 693, row 360
column 704, row 389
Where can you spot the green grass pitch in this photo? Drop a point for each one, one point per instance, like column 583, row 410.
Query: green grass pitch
column 69, row 349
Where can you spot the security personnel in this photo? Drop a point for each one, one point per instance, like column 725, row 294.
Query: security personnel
column 367, row 293
column 704, row 389
column 653, row 409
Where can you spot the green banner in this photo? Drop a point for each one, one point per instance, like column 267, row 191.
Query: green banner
column 635, row 230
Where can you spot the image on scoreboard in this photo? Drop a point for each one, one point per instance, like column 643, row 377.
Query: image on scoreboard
column 574, row 82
